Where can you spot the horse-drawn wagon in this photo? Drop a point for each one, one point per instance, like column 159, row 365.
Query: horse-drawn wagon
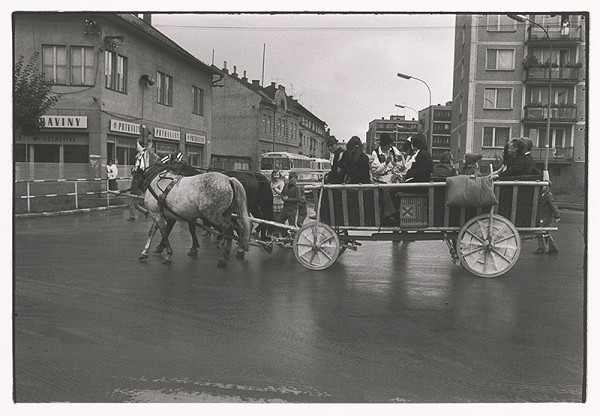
column 486, row 240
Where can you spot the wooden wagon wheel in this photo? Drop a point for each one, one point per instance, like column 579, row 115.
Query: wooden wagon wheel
column 488, row 250
column 316, row 246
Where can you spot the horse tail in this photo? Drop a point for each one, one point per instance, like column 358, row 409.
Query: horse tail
column 266, row 197
column 241, row 209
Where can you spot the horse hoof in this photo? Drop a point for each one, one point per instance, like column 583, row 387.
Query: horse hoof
column 158, row 250
column 193, row 253
column 269, row 249
column 167, row 261
column 221, row 264
column 239, row 255
column 143, row 257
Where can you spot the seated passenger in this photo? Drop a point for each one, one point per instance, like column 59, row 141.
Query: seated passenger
column 355, row 163
column 384, row 159
column 471, row 164
column 422, row 167
column 445, row 168
column 517, row 164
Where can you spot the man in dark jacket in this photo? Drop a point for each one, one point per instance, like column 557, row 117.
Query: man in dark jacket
column 335, row 176
column 445, row 167
column 422, row 167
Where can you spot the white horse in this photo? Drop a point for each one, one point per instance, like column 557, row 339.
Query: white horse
column 210, row 197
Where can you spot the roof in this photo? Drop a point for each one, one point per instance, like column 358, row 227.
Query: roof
column 151, row 31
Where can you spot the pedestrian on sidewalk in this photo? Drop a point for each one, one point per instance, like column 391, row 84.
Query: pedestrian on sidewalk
column 112, row 172
column 549, row 214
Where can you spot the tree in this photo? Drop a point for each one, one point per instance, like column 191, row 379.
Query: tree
column 32, row 96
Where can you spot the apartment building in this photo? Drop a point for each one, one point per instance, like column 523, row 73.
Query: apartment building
column 397, row 126
column 439, row 141
column 505, row 72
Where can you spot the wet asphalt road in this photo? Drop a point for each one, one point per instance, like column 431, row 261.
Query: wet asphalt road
column 391, row 323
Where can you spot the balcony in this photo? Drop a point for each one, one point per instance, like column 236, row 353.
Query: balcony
column 539, row 112
column 568, row 74
column 557, row 34
column 556, row 155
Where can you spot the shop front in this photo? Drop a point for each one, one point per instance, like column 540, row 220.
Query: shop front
column 166, row 141
column 194, row 149
column 121, row 145
column 59, row 151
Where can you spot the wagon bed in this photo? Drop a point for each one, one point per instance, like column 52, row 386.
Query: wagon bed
column 486, row 239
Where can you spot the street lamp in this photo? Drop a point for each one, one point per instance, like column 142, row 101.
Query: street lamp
column 523, row 19
column 430, row 124
column 410, row 108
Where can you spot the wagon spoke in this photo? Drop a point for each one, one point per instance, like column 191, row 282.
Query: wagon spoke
column 503, row 239
column 325, row 253
column 474, row 235
column 482, row 228
column 506, row 259
column 477, row 250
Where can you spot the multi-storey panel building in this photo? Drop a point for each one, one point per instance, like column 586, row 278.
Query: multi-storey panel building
column 113, row 74
column 504, row 73
column 397, row 126
column 439, row 141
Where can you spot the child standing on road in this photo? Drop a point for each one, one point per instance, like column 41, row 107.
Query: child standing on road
column 291, row 196
column 277, row 185
column 549, row 214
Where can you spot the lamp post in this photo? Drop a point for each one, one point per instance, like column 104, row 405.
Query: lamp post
column 523, row 19
column 430, row 124
column 410, row 108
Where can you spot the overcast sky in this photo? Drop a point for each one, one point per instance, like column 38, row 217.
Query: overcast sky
column 342, row 67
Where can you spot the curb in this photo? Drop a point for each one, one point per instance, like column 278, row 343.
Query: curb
column 574, row 207
column 68, row 212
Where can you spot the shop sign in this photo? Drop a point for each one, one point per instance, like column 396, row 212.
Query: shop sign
column 65, row 122
column 195, row 138
column 124, row 127
column 42, row 138
column 166, row 134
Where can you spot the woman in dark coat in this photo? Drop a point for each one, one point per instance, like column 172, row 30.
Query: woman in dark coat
column 355, row 163
column 517, row 164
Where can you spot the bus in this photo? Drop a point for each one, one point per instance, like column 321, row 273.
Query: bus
column 285, row 161
column 320, row 165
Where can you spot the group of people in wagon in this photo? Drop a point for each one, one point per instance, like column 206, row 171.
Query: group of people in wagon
column 413, row 163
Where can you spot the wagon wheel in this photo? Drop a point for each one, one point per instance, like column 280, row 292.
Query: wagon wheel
column 485, row 253
column 316, row 246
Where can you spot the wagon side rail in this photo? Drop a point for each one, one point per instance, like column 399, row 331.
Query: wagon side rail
column 358, row 207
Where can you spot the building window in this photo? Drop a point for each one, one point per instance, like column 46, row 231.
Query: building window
column 198, row 101
column 76, row 153
column 82, row 65
column 54, row 62
column 500, row 60
column 495, row 136
column 500, row 23
column 269, row 124
column 165, row 89
column 497, row 99
column 115, row 72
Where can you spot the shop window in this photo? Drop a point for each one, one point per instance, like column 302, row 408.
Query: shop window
column 76, row 153
column 54, row 63
column 20, row 153
column 46, row 153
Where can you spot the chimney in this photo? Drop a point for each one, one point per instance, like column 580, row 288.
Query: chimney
column 256, row 83
column 274, row 84
column 245, row 78
column 234, row 73
column 225, row 67
column 147, row 17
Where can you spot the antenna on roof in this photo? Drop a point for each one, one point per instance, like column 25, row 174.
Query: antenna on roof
column 262, row 79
